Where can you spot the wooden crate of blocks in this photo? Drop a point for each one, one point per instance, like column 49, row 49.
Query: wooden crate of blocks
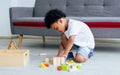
column 14, row 57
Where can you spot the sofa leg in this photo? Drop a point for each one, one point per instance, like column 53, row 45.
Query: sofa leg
column 43, row 37
column 20, row 41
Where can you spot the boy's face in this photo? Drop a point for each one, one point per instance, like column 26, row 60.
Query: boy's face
column 59, row 25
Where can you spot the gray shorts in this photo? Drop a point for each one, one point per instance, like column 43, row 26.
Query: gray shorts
column 84, row 51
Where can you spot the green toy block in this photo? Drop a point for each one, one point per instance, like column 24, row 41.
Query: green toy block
column 65, row 67
column 78, row 66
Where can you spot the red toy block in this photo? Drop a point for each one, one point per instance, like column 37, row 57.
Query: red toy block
column 47, row 65
column 59, row 68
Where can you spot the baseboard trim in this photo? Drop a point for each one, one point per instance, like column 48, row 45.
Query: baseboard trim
column 8, row 37
column 107, row 40
column 30, row 37
column 98, row 40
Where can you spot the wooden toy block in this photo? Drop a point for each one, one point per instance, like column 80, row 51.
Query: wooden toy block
column 56, row 61
column 43, row 54
column 12, row 45
column 62, row 60
column 51, row 60
column 14, row 57
column 46, row 60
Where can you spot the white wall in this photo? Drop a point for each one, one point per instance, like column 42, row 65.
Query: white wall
column 4, row 18
column 26, row 3
column 4, row 13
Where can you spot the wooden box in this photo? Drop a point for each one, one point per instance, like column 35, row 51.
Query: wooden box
column 14, row 57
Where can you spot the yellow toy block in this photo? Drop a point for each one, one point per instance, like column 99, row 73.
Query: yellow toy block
column 71, row 62
column 42, row 65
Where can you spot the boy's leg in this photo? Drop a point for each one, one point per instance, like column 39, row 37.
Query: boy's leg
column 79, row 58
column 82, row 54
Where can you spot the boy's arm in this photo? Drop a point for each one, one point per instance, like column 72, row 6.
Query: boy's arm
column 69, row 45
column 60, row 50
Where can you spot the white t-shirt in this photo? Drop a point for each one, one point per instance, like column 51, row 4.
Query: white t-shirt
column 83, row 34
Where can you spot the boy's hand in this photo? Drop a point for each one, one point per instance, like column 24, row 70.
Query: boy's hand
column 65, row 56
column 59, row 54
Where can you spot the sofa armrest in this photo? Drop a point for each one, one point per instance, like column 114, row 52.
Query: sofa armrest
column 17, row 12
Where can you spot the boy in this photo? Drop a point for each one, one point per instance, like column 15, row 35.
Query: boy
column 74, row 33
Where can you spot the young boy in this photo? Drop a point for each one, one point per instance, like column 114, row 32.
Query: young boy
column 74, row 33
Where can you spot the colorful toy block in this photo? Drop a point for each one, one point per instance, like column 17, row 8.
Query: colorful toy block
column 42, row 65
column 78, row 66
column 47, row 65
column 71, row 62
column 64, row 67
column 59, row 68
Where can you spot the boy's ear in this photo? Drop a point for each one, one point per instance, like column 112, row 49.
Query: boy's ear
column 60, row 20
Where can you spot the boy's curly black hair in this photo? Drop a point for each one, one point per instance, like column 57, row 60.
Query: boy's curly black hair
column 52, row 16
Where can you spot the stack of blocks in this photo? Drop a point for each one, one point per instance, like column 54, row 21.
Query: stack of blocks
column 61, row 64
column 69, row 66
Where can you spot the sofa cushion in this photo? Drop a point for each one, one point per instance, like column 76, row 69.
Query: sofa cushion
column 28, row 19
column 81, row 8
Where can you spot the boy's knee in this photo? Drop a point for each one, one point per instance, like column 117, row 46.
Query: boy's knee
column 80, row 59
